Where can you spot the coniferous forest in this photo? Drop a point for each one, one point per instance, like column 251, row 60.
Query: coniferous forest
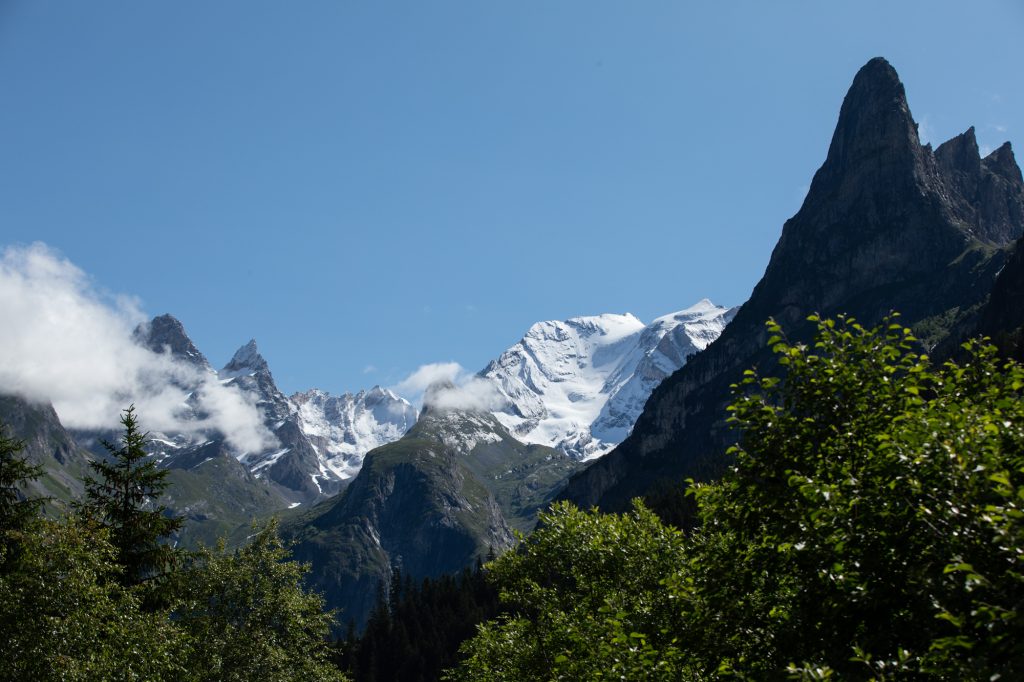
column 415, row 631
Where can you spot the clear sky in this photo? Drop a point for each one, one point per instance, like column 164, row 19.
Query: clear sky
column 365, row 187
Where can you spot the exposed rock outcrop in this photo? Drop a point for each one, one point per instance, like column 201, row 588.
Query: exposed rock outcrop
column 886, row 225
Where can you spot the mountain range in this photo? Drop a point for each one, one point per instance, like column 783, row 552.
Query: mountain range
column 602, row 369
column 598, row 409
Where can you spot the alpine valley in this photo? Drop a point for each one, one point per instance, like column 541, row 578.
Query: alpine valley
column 597, row 410
column 566, row 392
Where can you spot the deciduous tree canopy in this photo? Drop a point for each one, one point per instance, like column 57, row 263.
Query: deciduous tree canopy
column 870, row 528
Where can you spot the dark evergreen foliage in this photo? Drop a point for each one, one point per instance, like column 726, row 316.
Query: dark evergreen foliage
column 668, row 499
column 122, row 500
column 15, row 510
column 415, row 629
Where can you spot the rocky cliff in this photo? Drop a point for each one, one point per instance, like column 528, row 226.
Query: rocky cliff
column 48, row 444
column 887, row 224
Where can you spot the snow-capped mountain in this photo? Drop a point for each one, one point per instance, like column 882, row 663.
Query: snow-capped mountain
column 344, row 428
column 579, row 385
column 576, row 385
column 450, row 490
column 318, row 439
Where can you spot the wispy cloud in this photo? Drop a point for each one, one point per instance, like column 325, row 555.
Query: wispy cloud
column 474, row 393
column 447, row 386
column 69, row 343
column 437, row 372
column 369, row 369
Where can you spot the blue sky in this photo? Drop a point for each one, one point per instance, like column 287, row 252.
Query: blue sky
column 365, row 187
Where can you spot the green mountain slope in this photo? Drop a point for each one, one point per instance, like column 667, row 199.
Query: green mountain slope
column 449, row 492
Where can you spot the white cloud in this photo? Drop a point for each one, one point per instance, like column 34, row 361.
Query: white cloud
column 438, row 372
column 473, row 393
column 447, row 386
column 369, row 369
column 68, row 343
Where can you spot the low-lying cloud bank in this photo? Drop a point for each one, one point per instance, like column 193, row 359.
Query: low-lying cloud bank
column 69, row 343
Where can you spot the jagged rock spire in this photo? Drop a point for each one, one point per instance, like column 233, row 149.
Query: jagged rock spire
column 876, row 137
column 247, row 358
column 165, row 333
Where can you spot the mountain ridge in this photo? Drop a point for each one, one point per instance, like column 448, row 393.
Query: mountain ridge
column 884, row 226
column 447, row 493
column 578, row 384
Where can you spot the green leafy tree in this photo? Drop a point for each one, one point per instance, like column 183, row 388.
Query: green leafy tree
column 587, row 602
column 123, row 500
column 249, row 618
column 65, row 616
column 871, row 525
column 871, row 528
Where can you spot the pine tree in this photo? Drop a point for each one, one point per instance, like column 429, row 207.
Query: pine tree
column 123, row 500
column 16, row 512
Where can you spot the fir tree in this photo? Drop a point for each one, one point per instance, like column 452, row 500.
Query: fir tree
column 123, row 500
column 16, row 512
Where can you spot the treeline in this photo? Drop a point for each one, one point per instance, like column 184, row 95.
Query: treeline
column 100, row 595
column 415, row 630
column 871, row 528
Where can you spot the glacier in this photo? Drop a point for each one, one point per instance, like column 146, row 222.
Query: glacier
column 579, row 385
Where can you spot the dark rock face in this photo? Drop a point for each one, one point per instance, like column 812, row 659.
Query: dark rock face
column 166, row 334
column 398, row 515
column 48, row 444
column 1003, row 317
column 886, row 225
column 985, row 192
column 296, row 468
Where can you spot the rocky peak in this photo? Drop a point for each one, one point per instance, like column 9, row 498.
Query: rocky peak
column 1003, row 163
column 876, row 133
column 985, row 195
column 887, row 225
column 960, row 154
column 166, row 334
column 378, row 395
column 247, row 360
